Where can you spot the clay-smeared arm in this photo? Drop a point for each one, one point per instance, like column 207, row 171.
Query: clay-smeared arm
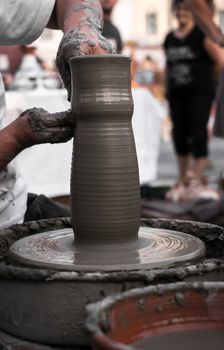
column 204, row 19
column 81, row 22
column 34, row 126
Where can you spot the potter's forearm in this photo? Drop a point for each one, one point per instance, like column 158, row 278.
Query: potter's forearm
column 9, row 149
column 204, row 19
column 70, row 14
column 10, row 144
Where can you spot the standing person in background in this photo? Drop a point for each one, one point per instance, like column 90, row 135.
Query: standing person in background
column 22, row 22
column 193, row 64
column 109, row 30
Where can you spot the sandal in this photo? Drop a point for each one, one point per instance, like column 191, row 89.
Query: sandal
column 176, row 193
column 196, row 190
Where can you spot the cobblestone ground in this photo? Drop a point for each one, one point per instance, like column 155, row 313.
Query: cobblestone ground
column 167, row 169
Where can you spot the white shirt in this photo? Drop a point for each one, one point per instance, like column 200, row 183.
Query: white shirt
column 21, row 22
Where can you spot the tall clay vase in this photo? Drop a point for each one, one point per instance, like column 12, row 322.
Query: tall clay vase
column 105, row 195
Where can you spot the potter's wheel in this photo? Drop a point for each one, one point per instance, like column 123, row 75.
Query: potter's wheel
column 154, row 248
column 47, row 305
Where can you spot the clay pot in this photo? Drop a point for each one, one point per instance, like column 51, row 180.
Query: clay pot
column 175, row 316
column 105, row 194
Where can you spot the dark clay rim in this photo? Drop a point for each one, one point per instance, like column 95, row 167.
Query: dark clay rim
column 96, row 312
column 98, row 57
column 202, row 230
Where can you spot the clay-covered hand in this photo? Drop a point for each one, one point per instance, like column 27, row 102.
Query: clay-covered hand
column 82, row 38
column 75, row 43
column 40, row 126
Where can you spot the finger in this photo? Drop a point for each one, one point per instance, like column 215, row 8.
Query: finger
column 85, row 50
column 99, row 51
column 64, row 71
column 61, row 136
column 55, row 135
column 106, row 45
column 59, row 119
column 68, row 51
column 34, row 112
column 62, row 60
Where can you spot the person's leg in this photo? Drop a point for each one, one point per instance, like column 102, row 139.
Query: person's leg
column 199, row 110
column 180, row 141
column 180, row 135
column 200, row 165
column 183, row 167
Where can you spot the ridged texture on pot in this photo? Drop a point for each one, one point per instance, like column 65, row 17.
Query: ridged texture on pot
column 105, row 192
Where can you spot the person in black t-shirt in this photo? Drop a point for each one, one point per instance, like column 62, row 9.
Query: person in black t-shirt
column 109, row 30
column 190, row 87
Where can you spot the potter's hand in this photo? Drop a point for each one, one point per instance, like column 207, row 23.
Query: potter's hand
column 34, row 126
column 43, row 127
column 79, row 42
column 82, row 24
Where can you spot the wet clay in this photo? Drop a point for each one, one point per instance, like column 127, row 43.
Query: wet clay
column 154, row 248
column 49, row 127
column 184, row 340
column 210, row 268
column 105, row 195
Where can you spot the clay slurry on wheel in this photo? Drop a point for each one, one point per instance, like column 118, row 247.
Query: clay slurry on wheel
column 154, row 248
